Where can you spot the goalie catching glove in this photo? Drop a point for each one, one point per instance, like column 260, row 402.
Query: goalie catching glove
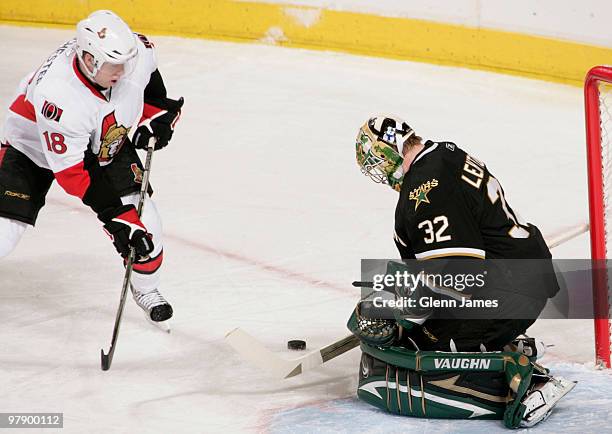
column 160, row 117
column 366, row 323
column 126, row 230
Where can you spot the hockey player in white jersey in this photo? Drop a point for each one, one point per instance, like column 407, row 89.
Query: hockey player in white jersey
column 78, row 119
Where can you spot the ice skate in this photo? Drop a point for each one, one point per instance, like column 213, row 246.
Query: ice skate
column 155, row 306
column 540, row 401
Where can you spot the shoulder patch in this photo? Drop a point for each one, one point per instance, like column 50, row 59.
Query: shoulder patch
column 419, row 194
column 51, row 111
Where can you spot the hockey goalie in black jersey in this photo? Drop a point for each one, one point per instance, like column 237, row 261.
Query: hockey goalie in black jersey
column 453, row 211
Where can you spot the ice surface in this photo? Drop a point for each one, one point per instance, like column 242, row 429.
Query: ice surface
column 266, row 217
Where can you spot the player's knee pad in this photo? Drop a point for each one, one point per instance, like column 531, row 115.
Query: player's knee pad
column 10, row 234
column 444, row 385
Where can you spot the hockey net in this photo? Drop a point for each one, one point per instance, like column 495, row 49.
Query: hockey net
column 598, row 110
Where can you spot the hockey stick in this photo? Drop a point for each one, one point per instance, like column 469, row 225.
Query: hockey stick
column 563, row 235
column 107, row 359
column 256, row 353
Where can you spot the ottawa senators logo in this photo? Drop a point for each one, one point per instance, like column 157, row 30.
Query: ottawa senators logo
column 51, row 111
column 112, row 137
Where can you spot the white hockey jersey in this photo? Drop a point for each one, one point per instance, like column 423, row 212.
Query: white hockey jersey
column 58, row 114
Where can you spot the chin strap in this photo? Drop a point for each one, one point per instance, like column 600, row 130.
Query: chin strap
column 83, row 68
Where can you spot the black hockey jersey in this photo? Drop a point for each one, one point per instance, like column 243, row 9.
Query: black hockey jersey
column 450, row 205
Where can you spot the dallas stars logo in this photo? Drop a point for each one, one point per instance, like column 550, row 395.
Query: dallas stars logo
column 419, row 194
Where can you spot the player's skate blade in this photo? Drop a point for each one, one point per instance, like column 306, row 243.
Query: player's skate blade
column 164, row 326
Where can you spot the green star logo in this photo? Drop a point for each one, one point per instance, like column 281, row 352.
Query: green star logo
column 421, row 197
column 419, row 194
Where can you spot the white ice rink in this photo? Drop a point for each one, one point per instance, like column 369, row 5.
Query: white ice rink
column 266, row 217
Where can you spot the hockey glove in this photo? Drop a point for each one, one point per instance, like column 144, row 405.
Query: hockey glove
column 366, row 323
column 159, row 124
column 126, row 230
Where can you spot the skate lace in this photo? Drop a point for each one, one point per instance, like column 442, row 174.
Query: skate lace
column 150, row 299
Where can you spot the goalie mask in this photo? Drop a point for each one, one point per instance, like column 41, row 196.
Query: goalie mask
column 380, row 146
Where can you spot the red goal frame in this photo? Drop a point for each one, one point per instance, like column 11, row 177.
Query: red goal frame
column 601, row 303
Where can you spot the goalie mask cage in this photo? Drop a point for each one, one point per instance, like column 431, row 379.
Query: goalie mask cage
column 598, row 111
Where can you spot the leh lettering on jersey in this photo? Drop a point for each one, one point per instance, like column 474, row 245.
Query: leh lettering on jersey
column 473, row 171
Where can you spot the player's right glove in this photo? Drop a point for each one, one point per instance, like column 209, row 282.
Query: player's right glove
column 159, row 126
column 126, row 230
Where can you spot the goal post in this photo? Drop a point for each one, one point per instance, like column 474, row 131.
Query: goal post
column 598, row 112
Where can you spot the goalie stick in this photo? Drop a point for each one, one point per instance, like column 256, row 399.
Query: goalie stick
column 563, row 235
column 257, row 354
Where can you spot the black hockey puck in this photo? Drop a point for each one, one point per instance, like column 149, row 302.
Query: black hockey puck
column 296, row 345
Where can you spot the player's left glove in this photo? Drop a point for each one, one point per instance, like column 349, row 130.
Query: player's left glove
column 160, row 124
column 126, row 231
column 366, row 323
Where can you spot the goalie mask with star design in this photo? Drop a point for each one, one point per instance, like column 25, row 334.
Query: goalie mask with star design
column 379, row 149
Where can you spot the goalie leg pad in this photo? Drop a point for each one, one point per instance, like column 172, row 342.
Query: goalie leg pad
column 443, row 395
column 433, row 384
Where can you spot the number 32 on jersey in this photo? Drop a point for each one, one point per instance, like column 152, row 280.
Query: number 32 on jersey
column 434, row 229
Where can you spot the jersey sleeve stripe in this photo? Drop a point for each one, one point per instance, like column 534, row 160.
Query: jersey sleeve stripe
column 150, row 112
column 451, row 251
column 75, row 180
column 24, row 108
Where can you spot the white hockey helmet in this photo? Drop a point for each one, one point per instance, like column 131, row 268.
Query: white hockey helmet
column 105, row 36
column 380, row 149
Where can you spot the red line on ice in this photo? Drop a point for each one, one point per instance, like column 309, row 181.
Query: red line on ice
column 273, row 269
